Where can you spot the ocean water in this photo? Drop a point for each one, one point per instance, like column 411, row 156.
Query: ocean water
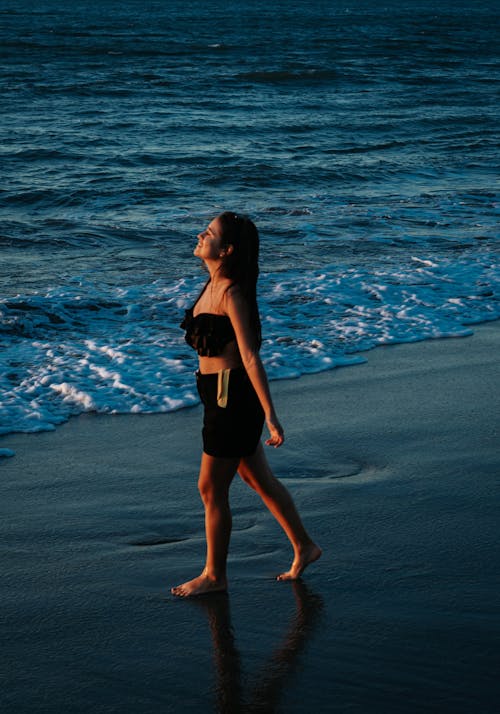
column 362, row 138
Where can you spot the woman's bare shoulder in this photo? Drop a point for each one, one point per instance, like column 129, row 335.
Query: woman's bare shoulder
column 233, row 294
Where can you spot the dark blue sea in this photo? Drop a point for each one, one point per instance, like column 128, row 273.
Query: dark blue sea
column 361, row 136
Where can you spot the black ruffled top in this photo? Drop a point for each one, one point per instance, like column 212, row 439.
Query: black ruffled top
column 207, row 333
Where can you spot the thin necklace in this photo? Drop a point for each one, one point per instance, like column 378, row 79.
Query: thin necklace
column 212, row 285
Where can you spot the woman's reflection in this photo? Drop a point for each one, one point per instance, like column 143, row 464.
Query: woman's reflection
column 265, row 693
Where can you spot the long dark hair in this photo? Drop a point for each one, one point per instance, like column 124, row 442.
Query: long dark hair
column 241, row 266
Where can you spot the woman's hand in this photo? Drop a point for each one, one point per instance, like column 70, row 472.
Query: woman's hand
column 276, row 431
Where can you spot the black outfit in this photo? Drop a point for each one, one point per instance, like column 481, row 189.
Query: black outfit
column 233, row 417
column 207, row 333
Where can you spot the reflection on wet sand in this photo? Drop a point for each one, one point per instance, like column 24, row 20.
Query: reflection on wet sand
column 264, row 695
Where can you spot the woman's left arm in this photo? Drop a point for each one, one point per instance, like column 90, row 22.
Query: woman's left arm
column 237, row 310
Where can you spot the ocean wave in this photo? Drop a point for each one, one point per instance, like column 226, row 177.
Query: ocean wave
column 289, row 76
column 369, row 147
column 121, row 351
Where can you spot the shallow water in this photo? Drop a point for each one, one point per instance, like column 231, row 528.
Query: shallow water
column 362, row 140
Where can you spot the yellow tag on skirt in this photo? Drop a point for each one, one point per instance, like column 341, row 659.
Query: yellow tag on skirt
column 222, row 387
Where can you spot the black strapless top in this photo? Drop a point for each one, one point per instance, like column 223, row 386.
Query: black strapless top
column 207, row 333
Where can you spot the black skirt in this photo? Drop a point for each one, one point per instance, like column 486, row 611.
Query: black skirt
column 233, row 430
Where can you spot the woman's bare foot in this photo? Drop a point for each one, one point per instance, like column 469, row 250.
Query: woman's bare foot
column 202, row 585
column 301, row 561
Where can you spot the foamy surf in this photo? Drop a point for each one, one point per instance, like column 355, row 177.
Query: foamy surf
column 68, row 352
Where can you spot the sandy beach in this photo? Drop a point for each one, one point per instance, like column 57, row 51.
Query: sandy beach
column 394, row 466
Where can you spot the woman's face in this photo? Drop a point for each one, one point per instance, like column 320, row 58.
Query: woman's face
column 209, row 246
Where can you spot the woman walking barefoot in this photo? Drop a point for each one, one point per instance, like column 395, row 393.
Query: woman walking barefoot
column 223, row 326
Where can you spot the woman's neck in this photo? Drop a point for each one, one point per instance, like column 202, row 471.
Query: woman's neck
column 214, row 268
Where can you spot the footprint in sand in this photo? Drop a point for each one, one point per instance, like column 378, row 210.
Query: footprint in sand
column 144, row 542
column 340, row 469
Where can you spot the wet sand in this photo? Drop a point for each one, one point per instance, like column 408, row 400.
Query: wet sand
column 394, row 466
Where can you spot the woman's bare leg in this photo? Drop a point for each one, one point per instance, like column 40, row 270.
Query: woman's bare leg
column 214, row 482
column 256, row 472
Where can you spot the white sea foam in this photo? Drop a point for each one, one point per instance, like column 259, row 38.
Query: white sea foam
column 68, row 352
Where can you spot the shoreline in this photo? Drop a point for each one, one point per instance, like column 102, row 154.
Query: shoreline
column 362, row 355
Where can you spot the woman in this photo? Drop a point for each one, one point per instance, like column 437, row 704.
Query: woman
column 223, row 326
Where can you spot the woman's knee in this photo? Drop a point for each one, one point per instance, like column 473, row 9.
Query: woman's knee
column 214, row 481
column 205, row 489
column 210, row 491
